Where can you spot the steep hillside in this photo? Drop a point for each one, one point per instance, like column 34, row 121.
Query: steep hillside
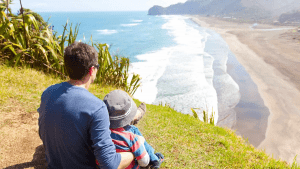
column 185, row 141
column 289, row 17
column 276, row 7
column 222, row 7
column 208, row 7
column 189, row 7
column 250, row 9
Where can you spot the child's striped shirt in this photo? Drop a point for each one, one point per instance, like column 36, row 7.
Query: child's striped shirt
column 127, row 141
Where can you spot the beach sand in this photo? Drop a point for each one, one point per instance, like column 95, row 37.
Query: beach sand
column 272, row 59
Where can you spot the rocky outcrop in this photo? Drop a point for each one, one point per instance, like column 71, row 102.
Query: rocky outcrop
column 156, row 10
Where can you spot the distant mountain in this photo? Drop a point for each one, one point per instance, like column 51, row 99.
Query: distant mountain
column 210, row 7
column 254, row 9
column 289, row 17
column 189, row 7
column 276, row 7
column 223, row 7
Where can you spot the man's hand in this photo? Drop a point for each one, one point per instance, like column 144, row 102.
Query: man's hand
column 126, row 159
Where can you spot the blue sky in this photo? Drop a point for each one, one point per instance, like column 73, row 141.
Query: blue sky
column 91, row 5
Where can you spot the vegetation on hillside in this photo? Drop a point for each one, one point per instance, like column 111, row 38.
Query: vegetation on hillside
column 6, row 3
column 27, row 41
column 185, row 141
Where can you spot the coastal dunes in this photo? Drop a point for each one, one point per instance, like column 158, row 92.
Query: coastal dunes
column 271, row 56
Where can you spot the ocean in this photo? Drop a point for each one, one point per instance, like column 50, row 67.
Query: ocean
column 181, row 63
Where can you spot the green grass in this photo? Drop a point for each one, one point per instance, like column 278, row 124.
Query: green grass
column 188, row 143
column 24, row 85
column 185, row 141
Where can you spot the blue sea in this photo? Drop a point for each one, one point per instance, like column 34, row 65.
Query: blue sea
column 181, row 63
column 128, row 33
column 169, row 52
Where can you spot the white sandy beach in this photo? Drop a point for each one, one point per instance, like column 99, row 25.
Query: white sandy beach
column 272, row 58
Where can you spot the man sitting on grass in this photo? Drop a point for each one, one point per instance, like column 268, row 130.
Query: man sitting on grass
column 123, row 112
column 73, row 123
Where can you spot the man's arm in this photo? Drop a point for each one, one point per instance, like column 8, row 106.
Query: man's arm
column 126, row 159
column 104, row 148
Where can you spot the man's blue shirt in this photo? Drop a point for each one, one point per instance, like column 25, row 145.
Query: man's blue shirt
column 74, row 127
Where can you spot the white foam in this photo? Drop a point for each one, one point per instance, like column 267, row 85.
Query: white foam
column 177, row 74
column 227, row 89
column 137, row 20
column 150, row 70
column 130, row 24
column 107, row 32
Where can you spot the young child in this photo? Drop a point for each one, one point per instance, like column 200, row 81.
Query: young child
column 122, row 113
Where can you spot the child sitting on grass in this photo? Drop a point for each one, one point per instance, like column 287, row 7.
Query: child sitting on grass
column 123, row 112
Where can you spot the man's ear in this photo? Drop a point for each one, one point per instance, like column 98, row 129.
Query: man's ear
column 91, row 70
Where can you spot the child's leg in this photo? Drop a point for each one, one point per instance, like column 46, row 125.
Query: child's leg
column 156, row 164
column 139, row 114
column 150, row 151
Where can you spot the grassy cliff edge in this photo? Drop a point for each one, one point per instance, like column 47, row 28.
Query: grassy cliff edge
column 186, row 142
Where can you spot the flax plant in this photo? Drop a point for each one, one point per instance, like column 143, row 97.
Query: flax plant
column 6, row 3
column 114, row 71
column 24, row 41
column 206, row 119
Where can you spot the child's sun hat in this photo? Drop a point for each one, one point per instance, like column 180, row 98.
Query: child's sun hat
column 121, row 108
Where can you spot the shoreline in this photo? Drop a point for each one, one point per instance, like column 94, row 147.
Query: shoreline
column 240, row 105
column 270, row 58
column 251, row 113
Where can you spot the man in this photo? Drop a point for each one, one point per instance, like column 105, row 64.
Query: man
column 73, row 123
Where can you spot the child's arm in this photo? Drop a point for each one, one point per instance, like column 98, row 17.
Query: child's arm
column 139, row 114
column 143, row 162
column 139, row 151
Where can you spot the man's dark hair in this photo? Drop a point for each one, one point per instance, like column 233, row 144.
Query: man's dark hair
column 79, row 58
